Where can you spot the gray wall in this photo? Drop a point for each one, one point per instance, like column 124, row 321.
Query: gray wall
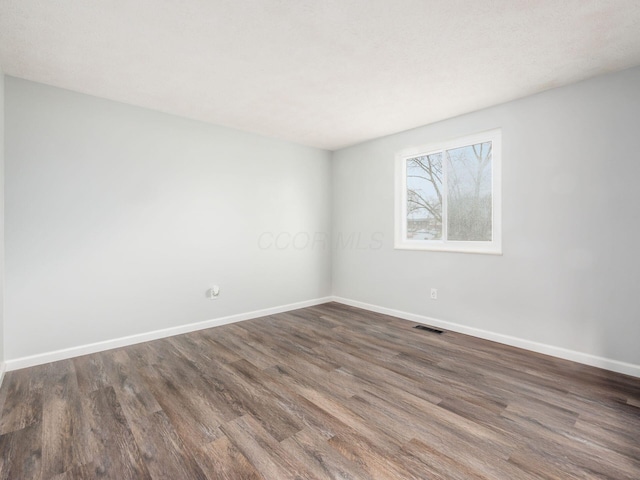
column 569, row 274
column 1, row 222
column 118, row 219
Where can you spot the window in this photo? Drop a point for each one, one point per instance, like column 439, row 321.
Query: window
column 448, row 196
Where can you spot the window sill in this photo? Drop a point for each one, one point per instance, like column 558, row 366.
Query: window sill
column 439, row 247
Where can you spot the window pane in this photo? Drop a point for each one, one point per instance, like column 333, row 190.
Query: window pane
column 469, row 193
column 424, row 197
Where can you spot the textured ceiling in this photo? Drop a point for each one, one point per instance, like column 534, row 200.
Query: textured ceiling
column 326, row 73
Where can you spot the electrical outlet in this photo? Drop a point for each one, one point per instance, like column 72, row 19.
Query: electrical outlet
column 213, row 292
column 434, row 294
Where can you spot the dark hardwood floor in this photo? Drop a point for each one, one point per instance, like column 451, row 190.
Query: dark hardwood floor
column 324, row 392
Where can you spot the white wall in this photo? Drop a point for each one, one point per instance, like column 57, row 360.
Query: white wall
column 118, row 219
column 569, row 274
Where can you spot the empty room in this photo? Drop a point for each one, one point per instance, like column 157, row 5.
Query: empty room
column 296, row 239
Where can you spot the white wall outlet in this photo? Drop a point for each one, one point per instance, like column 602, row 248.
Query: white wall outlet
column 434, row 294
column 213, row 292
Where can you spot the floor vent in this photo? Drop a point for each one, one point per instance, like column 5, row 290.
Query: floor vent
column 429, row 329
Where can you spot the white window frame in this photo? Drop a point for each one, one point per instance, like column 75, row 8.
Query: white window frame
column 494, row 246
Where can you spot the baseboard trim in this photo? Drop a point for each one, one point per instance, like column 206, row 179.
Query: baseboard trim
column 574, row 356
column 3, row 367
column 42, row 358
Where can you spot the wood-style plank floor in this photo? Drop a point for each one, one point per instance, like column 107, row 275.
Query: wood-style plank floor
column 323, row 392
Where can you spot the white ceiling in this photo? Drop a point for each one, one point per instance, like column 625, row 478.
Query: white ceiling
column 326, row 73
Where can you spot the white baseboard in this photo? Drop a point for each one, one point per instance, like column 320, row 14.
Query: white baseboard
column 580, row 357
column 574, row 356
column 3, row 367
column 41, row 358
